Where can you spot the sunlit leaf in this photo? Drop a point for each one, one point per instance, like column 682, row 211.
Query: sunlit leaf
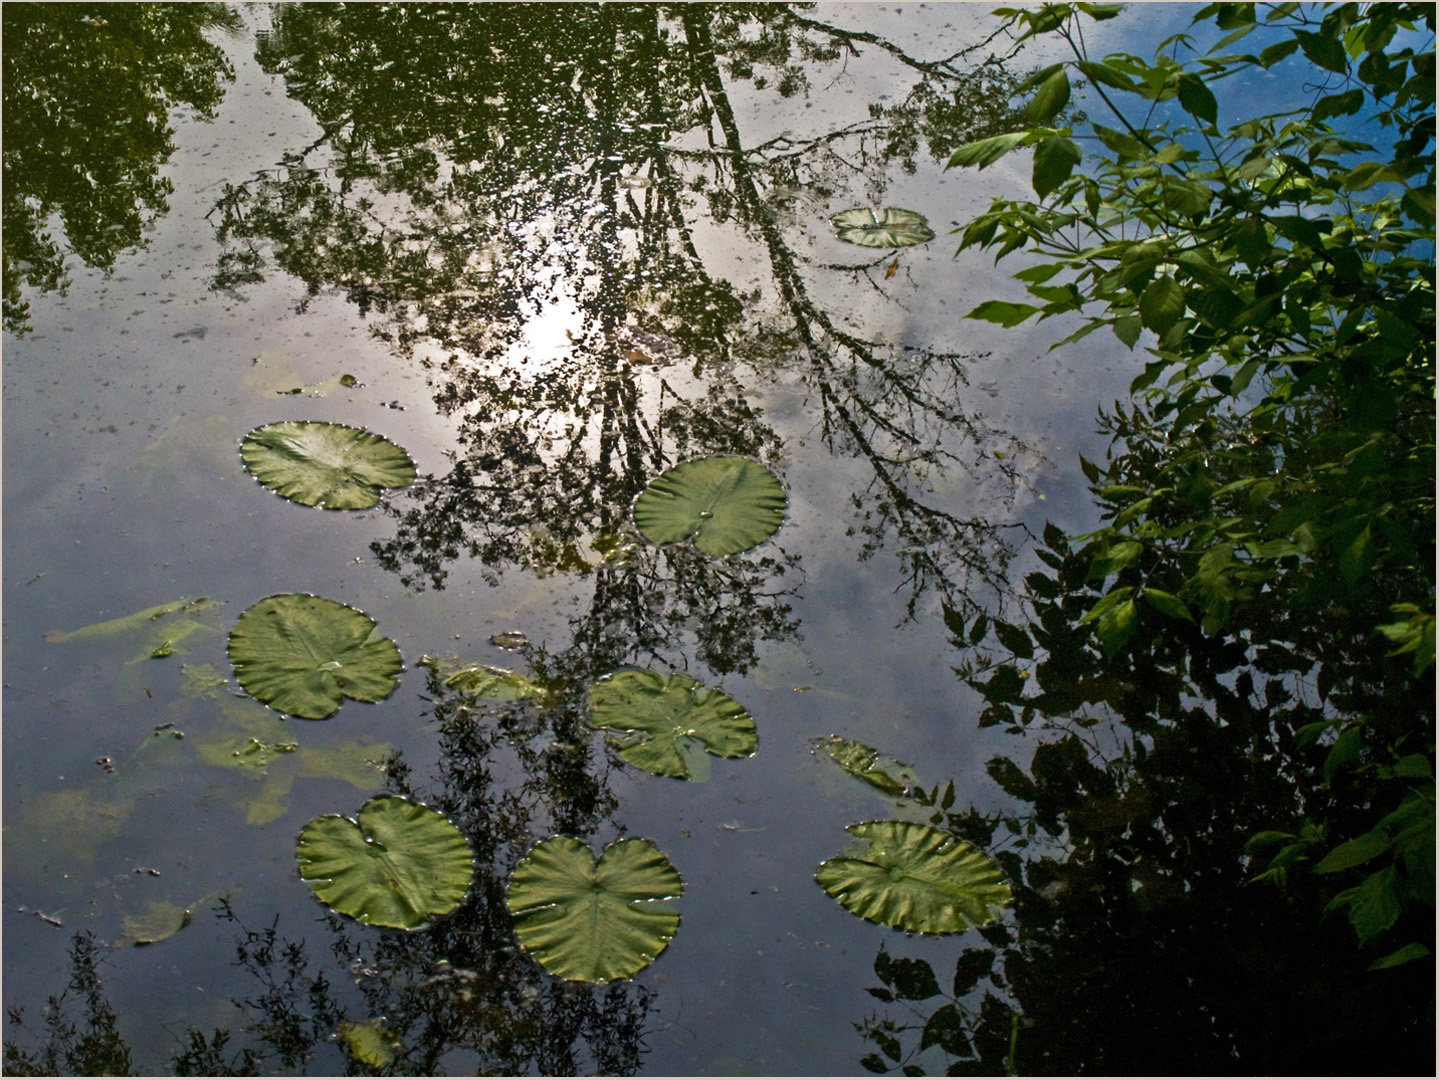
column 396, row 863
column 329, row 465
column 302, row 654
column 890, row 228
column 722, row 505
column 652, row 714
column 914, row 877
column 594, row 920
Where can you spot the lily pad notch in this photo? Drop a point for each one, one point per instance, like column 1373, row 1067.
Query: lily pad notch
column 332, row 466
column 721, row 505
column 302, row 655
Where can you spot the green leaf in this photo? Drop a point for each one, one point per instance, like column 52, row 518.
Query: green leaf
column 1054, row 159
column 986, row 151
column 651, row 713
column 1251, row 241
column 1115, row 628
column 1105, row 75
column 1277, row 52
column 591, row 920
column 161, row 920
column 1126, row 146
column 303, row 654
column 396, row 863
column 1127, row 329
column 1197, row 99
column 1323, row 49
column 914, row 877
column 863, row 762
column 327, row 465
column 1412, row 951
column 1358, row 557
column 1366, row 174
column 1346, row 748
column 478, row 680
column 722, row 505
column 1162, row 304
column 890, row 228
column 1052, row 96
column 369, row 1042
column 1167, row 604
column 1353, row 853
column 1002, row 312
column 1373, row 905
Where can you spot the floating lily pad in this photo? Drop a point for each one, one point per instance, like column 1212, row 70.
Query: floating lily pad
column 865, row 763
column 370, row 1041
column 396, row 863
column 483, row 681
column 653, row 714
column 914, row 877
column 890, row 228
column 160, row 920
column 722, row 505
column 594, row 921
column 329, row 465
column 302, row 654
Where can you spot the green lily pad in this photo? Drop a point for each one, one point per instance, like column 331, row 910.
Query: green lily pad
column 890, row 228
column 654, row 714
column 594, row 921
column 865, row 763
column 914, row 877
column 370, row 1041
column 483, row 681
column 722, row 505
column 396, row 863
column 329, row 465
column 302, row 654
column 160, row 920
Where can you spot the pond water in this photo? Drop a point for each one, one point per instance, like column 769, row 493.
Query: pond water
column 550, row 253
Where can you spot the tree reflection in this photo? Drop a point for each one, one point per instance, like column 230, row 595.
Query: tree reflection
column 1148, row 935
column 506, row 182
column 88, row 92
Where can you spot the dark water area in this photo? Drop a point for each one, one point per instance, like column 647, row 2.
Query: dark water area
column 551, row 251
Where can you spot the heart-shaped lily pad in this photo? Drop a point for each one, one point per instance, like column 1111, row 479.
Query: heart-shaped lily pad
column 890, row 228
column 594, row 921
column 329, row 465
column 302, row 654
column 396, row 863
column 722, row 505
column 914, row 877
column 651, row 714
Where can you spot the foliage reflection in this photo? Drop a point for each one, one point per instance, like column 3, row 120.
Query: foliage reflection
column 88, row 93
